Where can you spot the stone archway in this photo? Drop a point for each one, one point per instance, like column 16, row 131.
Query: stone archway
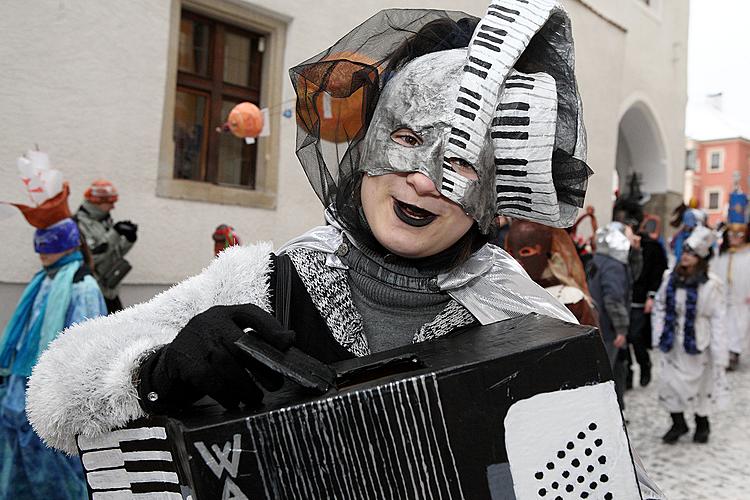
column 641, row 149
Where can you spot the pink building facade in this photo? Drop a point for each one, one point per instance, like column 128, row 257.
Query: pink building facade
column 716, row 164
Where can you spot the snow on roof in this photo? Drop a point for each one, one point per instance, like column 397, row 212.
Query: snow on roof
column 705, row 122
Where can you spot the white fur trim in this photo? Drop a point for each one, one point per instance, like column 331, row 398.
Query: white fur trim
column 83, row 381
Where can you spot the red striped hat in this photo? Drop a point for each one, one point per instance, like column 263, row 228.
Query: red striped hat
column 101, row 191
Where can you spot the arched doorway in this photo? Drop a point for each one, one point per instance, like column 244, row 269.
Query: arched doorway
column 641, row 150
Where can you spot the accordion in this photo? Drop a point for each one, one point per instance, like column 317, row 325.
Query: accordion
column 520, row 409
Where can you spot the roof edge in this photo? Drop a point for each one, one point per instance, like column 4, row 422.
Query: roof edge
column 722, row 139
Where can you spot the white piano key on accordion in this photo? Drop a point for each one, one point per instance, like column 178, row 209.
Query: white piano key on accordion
column 106, row 459
column 114, row 438
column 121, row 478
column 129, row 495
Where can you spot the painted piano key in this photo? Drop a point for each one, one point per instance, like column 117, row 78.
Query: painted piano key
column 502, row 35
column 524, row 140
column 132, row 463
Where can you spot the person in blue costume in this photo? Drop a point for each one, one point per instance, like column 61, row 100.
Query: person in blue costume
column 690, row 220
column 62, row 293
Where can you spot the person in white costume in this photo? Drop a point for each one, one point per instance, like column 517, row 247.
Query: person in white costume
column 733, row 267
column 688, row 321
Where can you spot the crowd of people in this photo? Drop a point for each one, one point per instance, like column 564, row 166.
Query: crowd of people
column 693, row 313
column 400, row 216
column 82, row 265
column 82, row 257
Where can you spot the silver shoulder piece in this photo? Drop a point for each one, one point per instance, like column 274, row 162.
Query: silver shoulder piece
column 327, row 239
column 493, row 286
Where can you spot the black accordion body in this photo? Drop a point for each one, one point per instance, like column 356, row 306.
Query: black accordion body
column 521, row 409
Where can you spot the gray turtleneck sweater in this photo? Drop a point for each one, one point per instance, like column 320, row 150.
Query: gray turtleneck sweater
column 394, row 297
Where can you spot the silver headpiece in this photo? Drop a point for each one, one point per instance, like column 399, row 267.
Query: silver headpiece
column 611, row 240
column 701, row 240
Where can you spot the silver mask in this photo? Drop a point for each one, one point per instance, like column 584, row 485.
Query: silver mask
column 611, row 240
column 421, row 97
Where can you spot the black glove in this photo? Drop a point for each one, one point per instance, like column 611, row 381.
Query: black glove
column 127, row 229
column 203, row 360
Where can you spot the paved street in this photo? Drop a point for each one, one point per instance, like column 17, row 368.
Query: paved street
column 688, row 471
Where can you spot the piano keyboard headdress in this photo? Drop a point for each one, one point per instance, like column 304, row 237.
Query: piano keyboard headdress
column 523, row 138
column 519, row 110
column 445, row 75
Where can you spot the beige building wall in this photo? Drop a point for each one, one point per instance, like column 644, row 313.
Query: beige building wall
column 92, row 83
column 600, row 47
column 653, row 93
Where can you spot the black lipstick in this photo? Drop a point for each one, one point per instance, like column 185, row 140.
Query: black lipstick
column 412, row 215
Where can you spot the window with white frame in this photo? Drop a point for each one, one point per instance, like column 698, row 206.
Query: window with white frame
column 713, row 199
column 716, row 160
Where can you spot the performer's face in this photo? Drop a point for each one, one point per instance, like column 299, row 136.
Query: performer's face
column 408, row 215
column 688, row 258
column 106, row 206
column 736, row 238
column 50, row 258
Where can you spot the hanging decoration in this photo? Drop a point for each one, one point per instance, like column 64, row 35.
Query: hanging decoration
column 338, row 109
column 245, row 120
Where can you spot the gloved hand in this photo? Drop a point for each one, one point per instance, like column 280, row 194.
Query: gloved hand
column 203, row 360
column 127, row 229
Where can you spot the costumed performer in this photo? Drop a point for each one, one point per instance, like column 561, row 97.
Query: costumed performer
column 688, row 320
column 403, row 258
column 732, row 266
column 611, row 284
column 550, row 257
column 61, row 294
column 109, row 241
column 691, row 218
column 433, row 154
column 224, row 237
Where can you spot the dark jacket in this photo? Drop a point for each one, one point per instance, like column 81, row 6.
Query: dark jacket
column 610, row 286
column 106, row 244
column 312, row 334
column 654, row 265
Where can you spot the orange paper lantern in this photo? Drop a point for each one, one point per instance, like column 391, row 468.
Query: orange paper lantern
column 338, row 111
column 245, row 120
